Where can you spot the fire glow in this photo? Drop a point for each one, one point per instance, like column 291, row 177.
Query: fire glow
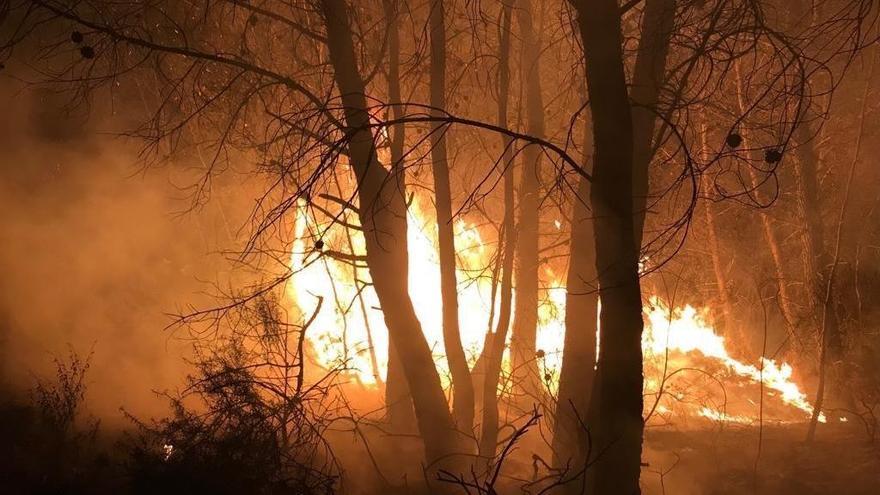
column 686, row 331
column 350, row 333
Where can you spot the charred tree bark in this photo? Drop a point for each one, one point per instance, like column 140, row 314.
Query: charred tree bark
column 462, row 386
column 382, row 212
column 526, row 377
column 489, row 433
column 617, row 395
column 397, row 397
column 647, row 80
column 581, row 306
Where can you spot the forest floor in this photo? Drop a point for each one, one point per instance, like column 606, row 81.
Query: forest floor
column 696, row 461
column 729, row 461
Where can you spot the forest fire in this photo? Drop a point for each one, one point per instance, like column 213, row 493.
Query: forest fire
column 677, row 334
column 362, row 348
column 606, row 247
column 674, row 338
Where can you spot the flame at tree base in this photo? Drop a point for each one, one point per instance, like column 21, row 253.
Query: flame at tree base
column 687, row 366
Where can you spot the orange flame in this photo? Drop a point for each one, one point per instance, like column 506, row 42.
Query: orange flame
column 350, row 332
column 684, row 330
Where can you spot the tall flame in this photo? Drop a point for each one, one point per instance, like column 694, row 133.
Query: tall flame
column 350, row 332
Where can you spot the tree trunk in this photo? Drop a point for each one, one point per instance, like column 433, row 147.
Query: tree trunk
column 382, row 212
column 618, row 392
column 581, row 306
column 784, row 299
column 817, row 259
column 826, row 344
column 647, row 80
column 397, row 397
column 526, row 377
column 463, row 388
column 726, row 323
column 489, row 433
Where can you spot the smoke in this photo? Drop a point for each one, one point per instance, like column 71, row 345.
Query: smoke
column 94, row 253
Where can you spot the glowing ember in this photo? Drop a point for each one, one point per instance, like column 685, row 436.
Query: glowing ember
column 167, row 450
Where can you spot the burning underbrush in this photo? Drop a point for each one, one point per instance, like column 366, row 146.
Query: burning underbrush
column 287, row 391
column 690, row 373
column 691, row 376
column 259, row 416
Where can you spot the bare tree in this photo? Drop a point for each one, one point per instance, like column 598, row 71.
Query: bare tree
column 647, row 82
column 463, row 390
column 397, row 396
column 618, row 387
column 383, row 216
column 581, row 312
column 496, row 342
column 525, row 324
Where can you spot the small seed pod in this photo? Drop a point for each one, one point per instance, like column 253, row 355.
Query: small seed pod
column 540, row 353
column 76, row 37
column 772, row 156
column 547, row 377
column 734, row 140
column 87, row 52
column 319, row 244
